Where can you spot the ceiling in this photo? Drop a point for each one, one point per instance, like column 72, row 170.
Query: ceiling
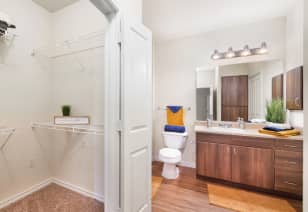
column 170, row 19
column 54, row 5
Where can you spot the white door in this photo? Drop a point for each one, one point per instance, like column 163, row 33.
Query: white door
column 136, row 101
column 254, row 101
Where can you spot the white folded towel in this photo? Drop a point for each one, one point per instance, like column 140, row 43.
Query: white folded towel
column 279, row 126
column 258, row 121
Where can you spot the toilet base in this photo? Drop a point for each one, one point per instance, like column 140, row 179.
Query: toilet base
column 170, row 171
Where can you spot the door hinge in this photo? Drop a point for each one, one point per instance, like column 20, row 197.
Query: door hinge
column 119, row 125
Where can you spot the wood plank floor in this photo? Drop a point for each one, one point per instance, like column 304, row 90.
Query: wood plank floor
column 187, row 193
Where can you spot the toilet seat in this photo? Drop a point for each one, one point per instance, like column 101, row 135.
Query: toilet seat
column 169, row 155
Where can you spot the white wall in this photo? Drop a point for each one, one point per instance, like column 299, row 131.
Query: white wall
column 294, row 49
column 177, row 60
column 77, row 80
column 25, row 97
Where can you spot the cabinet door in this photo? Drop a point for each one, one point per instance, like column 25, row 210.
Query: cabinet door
column 253, row 166
column 223, row 162
column 295, row 89
column 206, row 157
column 214, row 160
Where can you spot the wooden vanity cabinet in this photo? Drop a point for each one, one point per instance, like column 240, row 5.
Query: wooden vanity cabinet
column 271, row 164
column 295, row 89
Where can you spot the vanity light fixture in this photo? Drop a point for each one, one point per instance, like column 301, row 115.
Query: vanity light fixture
column 240, row 53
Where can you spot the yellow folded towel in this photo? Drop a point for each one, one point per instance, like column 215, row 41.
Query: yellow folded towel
column 175, row 119
column 285, row 133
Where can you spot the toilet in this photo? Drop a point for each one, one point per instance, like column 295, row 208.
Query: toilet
column 172, row 154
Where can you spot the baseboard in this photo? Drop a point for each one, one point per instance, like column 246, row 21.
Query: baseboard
column 78, row 189
column 25, row 193
column 182, row 163
column 188, row 164
column 32, row 189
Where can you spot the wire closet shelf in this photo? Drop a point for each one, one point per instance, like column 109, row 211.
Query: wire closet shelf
column 83, row 43
column 6, row 133
column 78, row 129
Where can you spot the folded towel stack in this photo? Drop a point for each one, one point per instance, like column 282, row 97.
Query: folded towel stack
column 284, row 133
column 175, row 119
column 279, row 130
column 178, row 129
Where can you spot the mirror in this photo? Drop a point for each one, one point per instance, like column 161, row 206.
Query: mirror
column 227, row 92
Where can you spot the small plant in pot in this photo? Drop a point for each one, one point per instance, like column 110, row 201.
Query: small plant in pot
column 66, row 110
column 275, row 112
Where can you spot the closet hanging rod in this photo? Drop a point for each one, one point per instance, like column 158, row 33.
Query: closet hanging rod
column 165, row 108
column 77, row 51
column 98, row 37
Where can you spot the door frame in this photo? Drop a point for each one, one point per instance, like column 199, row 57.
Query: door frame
column 112, row 11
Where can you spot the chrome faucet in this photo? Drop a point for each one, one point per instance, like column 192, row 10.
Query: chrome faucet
column 209, row 121
column 241, row 123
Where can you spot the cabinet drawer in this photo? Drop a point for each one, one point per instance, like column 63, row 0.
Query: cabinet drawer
column 289, row 145
column 288, row 181
column 252, row 142
column 212, row 138
column 289, row 160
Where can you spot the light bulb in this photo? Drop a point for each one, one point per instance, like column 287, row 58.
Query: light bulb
column 246, row 51
column 230, row 53
column 263, row 49
column 216, row 55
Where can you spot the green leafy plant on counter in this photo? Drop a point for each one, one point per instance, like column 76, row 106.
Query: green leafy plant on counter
column 275, row 111
column 66, row 110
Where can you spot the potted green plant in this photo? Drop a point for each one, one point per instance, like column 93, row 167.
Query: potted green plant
column 66, row 110
column 275, row 112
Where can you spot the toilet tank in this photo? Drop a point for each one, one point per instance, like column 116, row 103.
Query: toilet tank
column 175, row 140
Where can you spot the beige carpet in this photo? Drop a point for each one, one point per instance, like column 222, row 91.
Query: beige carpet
column 156, row 182
column 54, row 198
column 244, row 201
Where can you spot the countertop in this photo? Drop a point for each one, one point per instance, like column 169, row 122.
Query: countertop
column 251, row 132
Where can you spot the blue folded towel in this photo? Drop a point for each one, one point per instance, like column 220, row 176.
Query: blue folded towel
column 276, row 129
column 178, row 129
column 175, row 109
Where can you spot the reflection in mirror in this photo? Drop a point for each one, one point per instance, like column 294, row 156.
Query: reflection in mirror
column 242, row 90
